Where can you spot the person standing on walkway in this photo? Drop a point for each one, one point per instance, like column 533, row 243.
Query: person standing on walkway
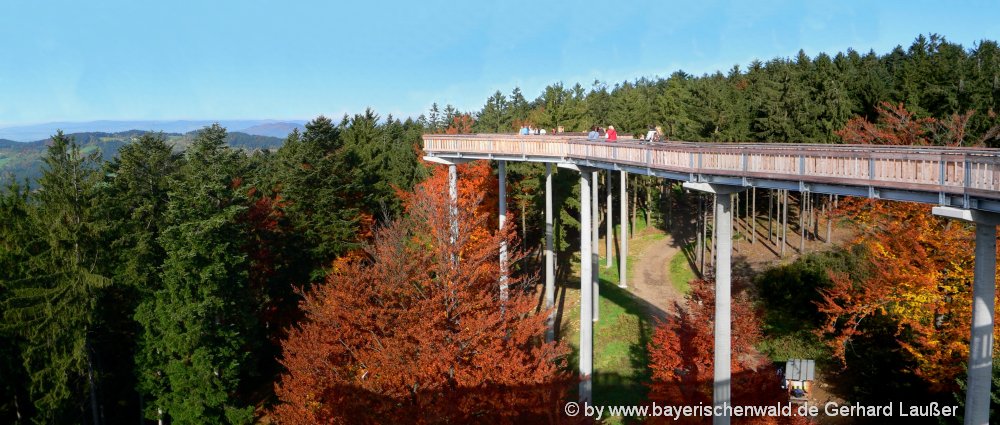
column 611, row 135
column 593, row 135
column 650, row 135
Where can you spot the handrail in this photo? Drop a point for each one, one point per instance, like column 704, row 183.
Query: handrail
column 949, row 170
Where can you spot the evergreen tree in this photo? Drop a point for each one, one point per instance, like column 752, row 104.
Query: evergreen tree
column 199, row 335
column 316, row 176
column 52, row 307
column 494, row 117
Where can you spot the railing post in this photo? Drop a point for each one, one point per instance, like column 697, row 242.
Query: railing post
column 967, row 179
column 802, row 165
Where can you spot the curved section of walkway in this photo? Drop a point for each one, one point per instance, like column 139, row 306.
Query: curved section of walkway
column 958, row 177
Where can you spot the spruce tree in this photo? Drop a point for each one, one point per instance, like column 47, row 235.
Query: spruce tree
column 199, row 333
column 51, row 307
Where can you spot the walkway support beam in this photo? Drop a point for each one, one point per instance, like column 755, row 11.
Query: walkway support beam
column 608, row 219
column 623, row 231
column 722, row 380
column 980, row 368
column 595, row 242
column 586, row 282
column 550, row 272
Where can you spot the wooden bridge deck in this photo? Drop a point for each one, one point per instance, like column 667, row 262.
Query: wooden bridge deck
column 960, row 177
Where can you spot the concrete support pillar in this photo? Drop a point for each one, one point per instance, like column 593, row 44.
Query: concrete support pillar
column 721, row 393
column 623, row 232
column 550, row 274
column 453, row 198
column 753, row 216
column 595, row 224
column 502, row 177
column 980, row 369
column 608, row 220
column 802, row 223
column 722, row 387
column 586, row 292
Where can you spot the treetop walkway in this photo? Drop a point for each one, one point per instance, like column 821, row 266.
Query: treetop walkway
column 962, row 183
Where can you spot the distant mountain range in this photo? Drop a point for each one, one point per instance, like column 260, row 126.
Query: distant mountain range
column 23, row 160
column 270, row 128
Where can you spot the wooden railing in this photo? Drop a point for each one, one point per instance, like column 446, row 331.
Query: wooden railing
column 927, row 169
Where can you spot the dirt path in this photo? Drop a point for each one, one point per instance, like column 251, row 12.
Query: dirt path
column 650, row 277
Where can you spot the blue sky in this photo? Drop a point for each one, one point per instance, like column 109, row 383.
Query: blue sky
column 81, row 61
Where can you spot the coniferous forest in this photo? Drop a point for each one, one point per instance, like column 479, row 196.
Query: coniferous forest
column 319, row 282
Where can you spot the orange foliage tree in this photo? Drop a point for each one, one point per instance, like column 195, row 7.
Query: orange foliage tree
column 460, row 124
column 415, row 330
column 920, row 274
column 681, row 359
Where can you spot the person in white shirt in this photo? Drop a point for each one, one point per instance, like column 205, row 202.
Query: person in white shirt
column 650, row 135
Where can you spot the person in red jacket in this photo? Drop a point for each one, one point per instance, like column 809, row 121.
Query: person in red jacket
column 611, row 135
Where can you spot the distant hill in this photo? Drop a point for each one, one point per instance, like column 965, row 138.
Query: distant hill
column 23, row 160
column 275, row 129
column 26, row 133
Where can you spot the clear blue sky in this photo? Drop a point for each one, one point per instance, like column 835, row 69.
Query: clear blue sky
column 89, row 60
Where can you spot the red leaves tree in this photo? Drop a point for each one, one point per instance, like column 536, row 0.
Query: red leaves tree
column 415, row 330
column 681, row 358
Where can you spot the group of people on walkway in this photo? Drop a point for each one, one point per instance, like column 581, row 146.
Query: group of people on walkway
column 531, row 130
column 654, row 133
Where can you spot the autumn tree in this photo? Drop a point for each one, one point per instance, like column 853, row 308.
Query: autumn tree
column 920, row 266
column 413, row 328
column 681, row 357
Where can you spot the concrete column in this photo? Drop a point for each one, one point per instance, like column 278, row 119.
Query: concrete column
column 608, row 220
column 595, row 255
column 586, row 292
column 502, row 177
column 623, row 232
column 802, row 225
column 980, row 369
column 753, row 216
column 721, row 391
column 723, row 329
column 453, row 197
column 550, row 275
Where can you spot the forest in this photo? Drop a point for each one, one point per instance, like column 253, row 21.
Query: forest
column 320, row 282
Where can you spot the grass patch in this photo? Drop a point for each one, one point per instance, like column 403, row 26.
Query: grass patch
column 621, row 335
column 795, row 345
column 680, row 273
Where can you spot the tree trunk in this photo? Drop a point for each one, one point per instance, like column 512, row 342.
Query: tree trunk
column 829, row 218
column 770, row 215
column 93, row 387
column 702, row 233
column 524, row 224
column 711, row 258
column 635, row 206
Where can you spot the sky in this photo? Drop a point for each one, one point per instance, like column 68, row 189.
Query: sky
column 257, row 59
